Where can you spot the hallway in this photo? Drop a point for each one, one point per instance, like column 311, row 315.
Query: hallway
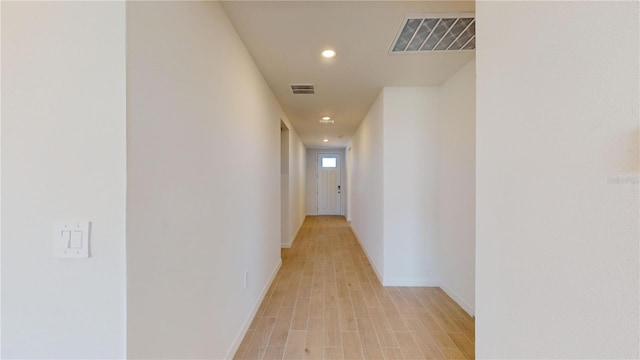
column 326, row 302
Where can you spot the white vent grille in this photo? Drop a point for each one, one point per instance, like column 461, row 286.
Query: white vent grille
column 303, row 89
column 424, row 33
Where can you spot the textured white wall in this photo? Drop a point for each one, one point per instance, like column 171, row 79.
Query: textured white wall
column 349, row 170
column 284, row 187
column 203, row 179
column 410, row 121
column 63, row 158
column 557, row 170
column 457, row 186
column 296, row 180
column 310, row 171
column 420, row 141
column 367, row 204
column 297, row 184
column 348, row 156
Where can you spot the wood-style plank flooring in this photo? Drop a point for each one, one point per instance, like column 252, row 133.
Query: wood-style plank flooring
column 327, row 303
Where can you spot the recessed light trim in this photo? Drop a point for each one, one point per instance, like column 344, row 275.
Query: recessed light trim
column 328, row 53
column 325, row 140
column 326, row 118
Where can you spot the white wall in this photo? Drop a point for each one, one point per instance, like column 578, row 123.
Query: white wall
column 410, row 122
column 203, row 203
column 366, row 171
column 284, row 185
column 348, row 159
column 423, row 157
column 310, row 190
column 296, row 186
column 63, row 158
column 557, row 180
column 457, row 186
column 311, row 176
column 393, row 171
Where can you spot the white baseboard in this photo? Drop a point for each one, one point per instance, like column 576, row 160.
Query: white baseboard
column 293, row 238
column 373, row 265
column 411, row 282
column 416, row 282
column 469, row 309
column 393, row 282
column 254, row 311
column 287, row 246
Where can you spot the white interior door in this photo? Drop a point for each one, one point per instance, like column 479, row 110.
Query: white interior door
column 328, row 184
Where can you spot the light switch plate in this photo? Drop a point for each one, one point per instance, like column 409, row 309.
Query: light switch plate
column 71, row 239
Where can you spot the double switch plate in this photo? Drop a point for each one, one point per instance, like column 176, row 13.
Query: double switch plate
column 71, row 239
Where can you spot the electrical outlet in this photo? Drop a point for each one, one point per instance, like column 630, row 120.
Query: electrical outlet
column 246, row 276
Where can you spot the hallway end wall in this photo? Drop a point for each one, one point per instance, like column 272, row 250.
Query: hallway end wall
column 311, row 185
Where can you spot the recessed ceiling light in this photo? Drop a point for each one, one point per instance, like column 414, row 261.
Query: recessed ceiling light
column 325, row 140
column 326, row 118
column 328, row 53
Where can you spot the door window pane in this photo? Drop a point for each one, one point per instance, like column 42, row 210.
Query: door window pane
column 328, row 162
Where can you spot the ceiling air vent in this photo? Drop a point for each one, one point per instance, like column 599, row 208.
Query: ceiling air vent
column 303, row 89
column 435, row 33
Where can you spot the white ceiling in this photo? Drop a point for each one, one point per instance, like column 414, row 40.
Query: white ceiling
column 286, row 38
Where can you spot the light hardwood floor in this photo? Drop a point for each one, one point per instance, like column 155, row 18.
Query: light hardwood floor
column 327, row 303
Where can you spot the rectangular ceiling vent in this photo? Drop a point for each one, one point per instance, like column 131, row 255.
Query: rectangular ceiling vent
column 435, row 33
column 303, row 89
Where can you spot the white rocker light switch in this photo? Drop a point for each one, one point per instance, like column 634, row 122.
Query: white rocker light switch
column 71, row 239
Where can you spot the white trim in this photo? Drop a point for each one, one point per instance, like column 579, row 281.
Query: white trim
column 411, row 282
column 288, row 245
column 394, row 282
column 373, row 264
column 254, row 311
column 415, row 282
column 293, row 238
column 469, row 309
